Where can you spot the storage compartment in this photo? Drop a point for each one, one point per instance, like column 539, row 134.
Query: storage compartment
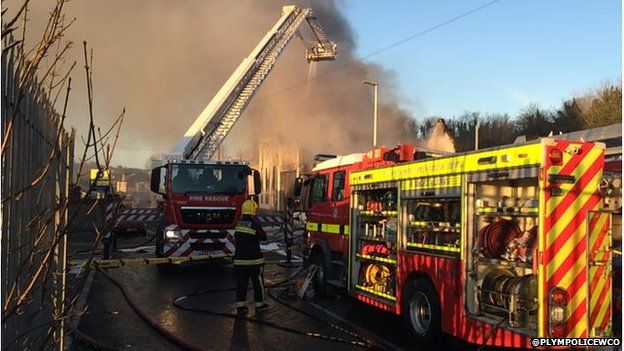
column 434, row 225
column 374, row 241
column 503, row 234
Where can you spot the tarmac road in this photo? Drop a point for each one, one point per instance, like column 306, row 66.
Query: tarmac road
column 111, row 320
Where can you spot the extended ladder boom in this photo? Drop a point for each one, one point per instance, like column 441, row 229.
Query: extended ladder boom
column 209, row 130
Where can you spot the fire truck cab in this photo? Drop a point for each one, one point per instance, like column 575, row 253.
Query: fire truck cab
column 325, row 196
column 201, row 205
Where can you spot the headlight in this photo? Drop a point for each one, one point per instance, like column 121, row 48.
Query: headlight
column 173, row 234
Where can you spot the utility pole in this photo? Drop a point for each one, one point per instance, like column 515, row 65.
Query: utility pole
column 375, row 86
column 477, row 126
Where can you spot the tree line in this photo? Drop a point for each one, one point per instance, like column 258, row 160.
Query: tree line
column 600, row 107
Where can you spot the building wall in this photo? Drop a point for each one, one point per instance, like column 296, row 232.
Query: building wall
column 279, row 164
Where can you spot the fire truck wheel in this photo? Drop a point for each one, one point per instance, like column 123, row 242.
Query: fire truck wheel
column 319, row 283
column 421, row 311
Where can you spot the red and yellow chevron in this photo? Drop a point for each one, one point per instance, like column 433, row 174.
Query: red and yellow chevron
column 599, row 242
column 568, row 231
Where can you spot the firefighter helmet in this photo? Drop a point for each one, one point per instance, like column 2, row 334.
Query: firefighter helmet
column 250, row 207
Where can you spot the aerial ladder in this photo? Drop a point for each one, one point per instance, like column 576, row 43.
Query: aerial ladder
column 209, row 130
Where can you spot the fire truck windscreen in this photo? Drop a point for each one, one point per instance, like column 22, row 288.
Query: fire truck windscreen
column 208, row 179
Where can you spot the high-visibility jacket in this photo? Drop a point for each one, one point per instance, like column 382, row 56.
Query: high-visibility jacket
column 248, row 235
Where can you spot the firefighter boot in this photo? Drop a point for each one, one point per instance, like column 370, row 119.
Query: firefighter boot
column 241, row 308
column 261, row 306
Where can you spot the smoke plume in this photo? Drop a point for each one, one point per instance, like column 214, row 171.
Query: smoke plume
column 165, row 60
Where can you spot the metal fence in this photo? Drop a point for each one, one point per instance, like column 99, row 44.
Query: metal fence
column 37, row 158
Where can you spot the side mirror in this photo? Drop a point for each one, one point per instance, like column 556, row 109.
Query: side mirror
column 257, row 181
column 298, row 186
column 155, row 180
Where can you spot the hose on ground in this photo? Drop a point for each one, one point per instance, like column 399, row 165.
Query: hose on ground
column 310, row 315
column 362, row 342
column 91, row 341
column 191, row 346
column 149, row 320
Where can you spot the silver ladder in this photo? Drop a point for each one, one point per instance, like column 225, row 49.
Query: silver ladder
column 221, row 124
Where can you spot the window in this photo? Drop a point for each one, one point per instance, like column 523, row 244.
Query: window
column 163, row 178
column 338, row 186
column 208, row 179
column 319, row 189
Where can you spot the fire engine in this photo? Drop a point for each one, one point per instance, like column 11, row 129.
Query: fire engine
column 202, row 199
column 324, row 196
column 494, row 247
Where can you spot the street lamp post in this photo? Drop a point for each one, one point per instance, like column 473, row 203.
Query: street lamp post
column 375, row 85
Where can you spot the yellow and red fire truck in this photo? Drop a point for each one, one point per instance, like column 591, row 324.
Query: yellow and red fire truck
column 494, row 247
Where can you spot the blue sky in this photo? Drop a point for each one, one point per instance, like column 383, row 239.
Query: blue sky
column 499, row 59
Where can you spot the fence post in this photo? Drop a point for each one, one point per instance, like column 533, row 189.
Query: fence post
column 288, row 230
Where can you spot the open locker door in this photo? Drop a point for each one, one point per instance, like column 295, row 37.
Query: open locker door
column 599, row 277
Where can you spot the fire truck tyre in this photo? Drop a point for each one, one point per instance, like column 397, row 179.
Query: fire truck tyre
column 319, row 283
column 421, row 311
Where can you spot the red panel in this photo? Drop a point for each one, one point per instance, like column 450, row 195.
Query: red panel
column 374, row 302
column 447, row 277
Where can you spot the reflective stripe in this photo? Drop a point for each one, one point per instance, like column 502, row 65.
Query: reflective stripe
column 312, row 226
column 245, row 230
column 240, row 262
column 330, row 228
column 432, row 182
column 504, row 157
column 241, row 303
column 434, row 247
column 375, row 292
column 261, row 279
column 327, row 228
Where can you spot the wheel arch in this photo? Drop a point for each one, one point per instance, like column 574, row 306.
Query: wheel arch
column 408, row 283
column 320, row 247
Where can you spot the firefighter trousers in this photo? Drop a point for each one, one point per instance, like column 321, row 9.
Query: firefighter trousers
column 243, row 273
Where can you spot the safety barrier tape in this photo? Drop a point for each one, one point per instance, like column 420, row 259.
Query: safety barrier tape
column 116, row 263
column 270, row 220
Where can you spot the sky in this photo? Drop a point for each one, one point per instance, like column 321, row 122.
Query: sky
column 165, row 63
column 497, row 60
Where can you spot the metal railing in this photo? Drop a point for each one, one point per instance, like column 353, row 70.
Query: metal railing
column 37, row 158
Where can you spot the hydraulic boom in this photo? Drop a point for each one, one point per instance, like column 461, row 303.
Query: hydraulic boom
column 209, row 130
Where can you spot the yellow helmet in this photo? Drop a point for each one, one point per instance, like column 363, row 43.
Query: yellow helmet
column 250, row 207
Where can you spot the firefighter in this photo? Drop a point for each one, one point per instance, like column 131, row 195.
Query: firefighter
column 248, row 259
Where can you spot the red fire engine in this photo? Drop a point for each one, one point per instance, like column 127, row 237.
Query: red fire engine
column 494, row 247
column 203, row 204
column 202, row 199
column 325, row 197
